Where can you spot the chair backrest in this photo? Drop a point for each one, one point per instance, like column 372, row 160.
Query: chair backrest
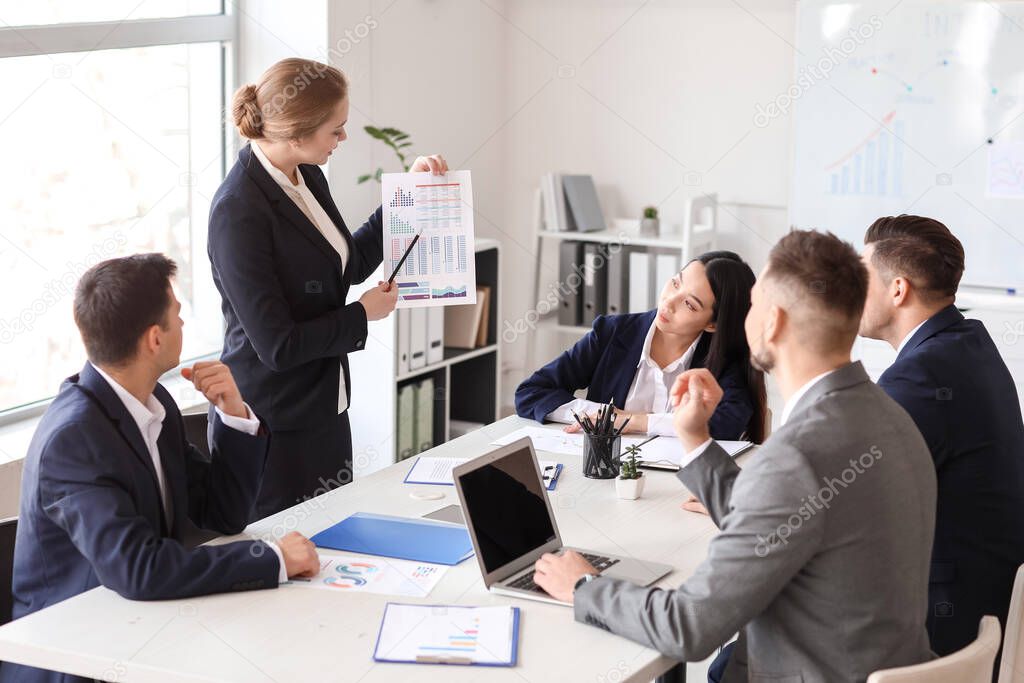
column 700, row 229
column 1011, row 669
column 8, row 530
column 196, row 425
column 972, row 664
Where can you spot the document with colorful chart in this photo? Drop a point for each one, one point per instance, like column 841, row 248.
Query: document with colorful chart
column 355, row 574
column 448, row 634
column 441, row 268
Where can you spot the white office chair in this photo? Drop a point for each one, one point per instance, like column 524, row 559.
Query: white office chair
column 972, row 664
column 1011, row 668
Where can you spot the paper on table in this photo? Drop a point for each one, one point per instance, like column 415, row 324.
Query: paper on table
column 358, row 574
column 549, row 439
column 436, row 470
column 479, row 635
column 555, row 440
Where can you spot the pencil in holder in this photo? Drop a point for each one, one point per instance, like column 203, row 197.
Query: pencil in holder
column 601, row 456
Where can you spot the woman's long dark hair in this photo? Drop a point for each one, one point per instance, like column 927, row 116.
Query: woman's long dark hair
column 731, row 280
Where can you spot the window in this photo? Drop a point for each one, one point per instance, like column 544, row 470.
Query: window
column 49, row 12
column 115, row 142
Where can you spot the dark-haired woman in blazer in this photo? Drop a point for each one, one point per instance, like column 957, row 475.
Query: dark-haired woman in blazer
column 634, row 359
column 283, row 260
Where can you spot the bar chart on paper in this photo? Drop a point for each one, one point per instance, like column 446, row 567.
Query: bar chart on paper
column 439, row 210
column 451, row 634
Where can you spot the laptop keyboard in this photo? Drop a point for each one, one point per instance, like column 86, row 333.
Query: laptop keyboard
column 526, row 583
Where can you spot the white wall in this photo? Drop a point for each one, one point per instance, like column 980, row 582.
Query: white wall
column 433, row 68
column 655, row 100
column 270, row 31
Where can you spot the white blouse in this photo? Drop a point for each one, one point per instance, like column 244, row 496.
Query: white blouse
column 649, row 392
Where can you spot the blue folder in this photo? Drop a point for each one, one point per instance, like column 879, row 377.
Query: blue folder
column 419, row 540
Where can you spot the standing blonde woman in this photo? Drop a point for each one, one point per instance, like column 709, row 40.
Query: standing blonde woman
column 283, row 260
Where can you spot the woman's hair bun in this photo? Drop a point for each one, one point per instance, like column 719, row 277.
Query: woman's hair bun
column 246, row 113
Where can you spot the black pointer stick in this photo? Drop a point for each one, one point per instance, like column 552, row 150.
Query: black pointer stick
column 404, row 256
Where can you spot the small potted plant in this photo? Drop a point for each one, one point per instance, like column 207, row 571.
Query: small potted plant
column 649, row 223
column 630, row 484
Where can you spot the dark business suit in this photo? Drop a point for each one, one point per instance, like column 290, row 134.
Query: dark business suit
column 605, row 362
column 91, row 510
column 951, row 379
column 283, row 291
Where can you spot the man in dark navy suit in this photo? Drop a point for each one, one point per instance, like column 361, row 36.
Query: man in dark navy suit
column 950, row 377
column 110, row 484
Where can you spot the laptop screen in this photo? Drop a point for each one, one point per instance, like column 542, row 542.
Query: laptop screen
column 505, row 500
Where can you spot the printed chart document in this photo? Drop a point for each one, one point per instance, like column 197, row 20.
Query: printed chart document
column 438, row 634
column 665, row 449
column 354, row 574
column 441, row 268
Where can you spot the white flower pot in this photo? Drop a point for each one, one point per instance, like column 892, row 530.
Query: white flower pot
column 630, row 489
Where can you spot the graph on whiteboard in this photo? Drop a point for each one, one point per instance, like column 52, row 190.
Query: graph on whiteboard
column 911, row 107
column 441, row 268
column 1006, row 169
column 874, row 166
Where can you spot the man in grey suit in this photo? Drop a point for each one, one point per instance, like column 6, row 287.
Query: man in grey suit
column 823, row 555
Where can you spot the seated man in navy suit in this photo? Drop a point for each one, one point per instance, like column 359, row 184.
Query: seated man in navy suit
column 110, row 484
column 950, row 377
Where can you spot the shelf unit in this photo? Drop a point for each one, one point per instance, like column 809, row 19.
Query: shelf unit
column 467, row 382
column 697, row 236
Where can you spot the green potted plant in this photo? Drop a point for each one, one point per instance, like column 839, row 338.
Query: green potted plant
column 630, row 484
column 393, row 138
column 649, row 223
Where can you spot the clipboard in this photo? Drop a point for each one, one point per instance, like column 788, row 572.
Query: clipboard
column 552, row 482
column 460, row 652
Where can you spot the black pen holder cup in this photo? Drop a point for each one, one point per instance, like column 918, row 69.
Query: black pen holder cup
column 601, row 456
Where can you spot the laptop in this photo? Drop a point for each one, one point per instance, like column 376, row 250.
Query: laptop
column 510, row 521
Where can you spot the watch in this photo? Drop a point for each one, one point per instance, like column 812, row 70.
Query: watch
column 586, row 578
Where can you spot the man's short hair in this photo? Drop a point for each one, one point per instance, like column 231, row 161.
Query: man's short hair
column 119, row 299
column 824, row 284
column 920, row 249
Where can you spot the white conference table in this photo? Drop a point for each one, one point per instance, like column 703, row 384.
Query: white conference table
column 300, row 634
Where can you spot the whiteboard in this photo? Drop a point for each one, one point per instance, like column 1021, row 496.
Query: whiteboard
column 911, row 107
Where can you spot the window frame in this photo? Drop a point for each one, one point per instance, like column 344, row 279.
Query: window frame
column 53, row 39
